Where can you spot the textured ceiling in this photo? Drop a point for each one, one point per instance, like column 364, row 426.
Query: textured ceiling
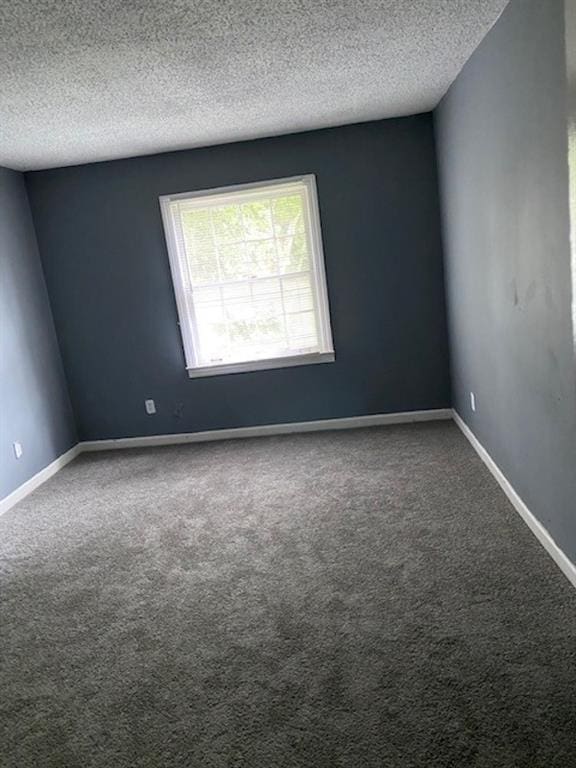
column 85, row 80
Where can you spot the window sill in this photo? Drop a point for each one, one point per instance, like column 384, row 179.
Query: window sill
column 262, row 365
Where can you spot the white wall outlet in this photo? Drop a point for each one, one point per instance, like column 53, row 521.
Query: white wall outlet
column 150, row 406
column 473, row 401
column 17, row 450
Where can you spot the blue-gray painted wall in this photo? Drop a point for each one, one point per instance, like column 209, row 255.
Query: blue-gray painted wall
column 502, row 146
column 107, row 270
column 35, row 407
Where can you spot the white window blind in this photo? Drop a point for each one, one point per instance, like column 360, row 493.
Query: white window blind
column 248, row 274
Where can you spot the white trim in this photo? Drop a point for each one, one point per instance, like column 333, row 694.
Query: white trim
column 262, row 365
column 353, row 422
column 183, row 290
column 314, row 231
column 40, row 477
column 233, row 188
column 380, row 419
column 218, row 434
column 562, row 561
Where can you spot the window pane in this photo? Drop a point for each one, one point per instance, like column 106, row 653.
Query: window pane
column 202, row 258
column 255, row 319
column 293, row 253
column 261, row 258
column 257, row 219
column 288, row 215
column 227, row 224
column 302, row 330
column 298, row 295
column 211, row 325
column 233, row 262
column 248, row 266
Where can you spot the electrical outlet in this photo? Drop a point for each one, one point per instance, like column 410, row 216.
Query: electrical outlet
column 150, row 406
column 17, row 450
column 473, row 401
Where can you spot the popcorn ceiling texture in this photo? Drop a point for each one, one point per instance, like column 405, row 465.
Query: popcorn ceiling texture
column 85, row 81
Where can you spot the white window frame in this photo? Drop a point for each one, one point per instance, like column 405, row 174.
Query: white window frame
column 186, row 309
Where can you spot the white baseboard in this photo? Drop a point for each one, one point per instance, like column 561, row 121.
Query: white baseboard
column 218, row 434
column 562, row 561
column 353, row 422
column 40, row 477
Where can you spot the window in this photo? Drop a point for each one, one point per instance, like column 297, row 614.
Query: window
column 248, row 274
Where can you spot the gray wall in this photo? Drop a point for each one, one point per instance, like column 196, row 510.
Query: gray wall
column 35, row 408
column 502, row 143
column 107, row 270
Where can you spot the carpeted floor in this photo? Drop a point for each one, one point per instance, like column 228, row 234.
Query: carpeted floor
column 330, row 600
